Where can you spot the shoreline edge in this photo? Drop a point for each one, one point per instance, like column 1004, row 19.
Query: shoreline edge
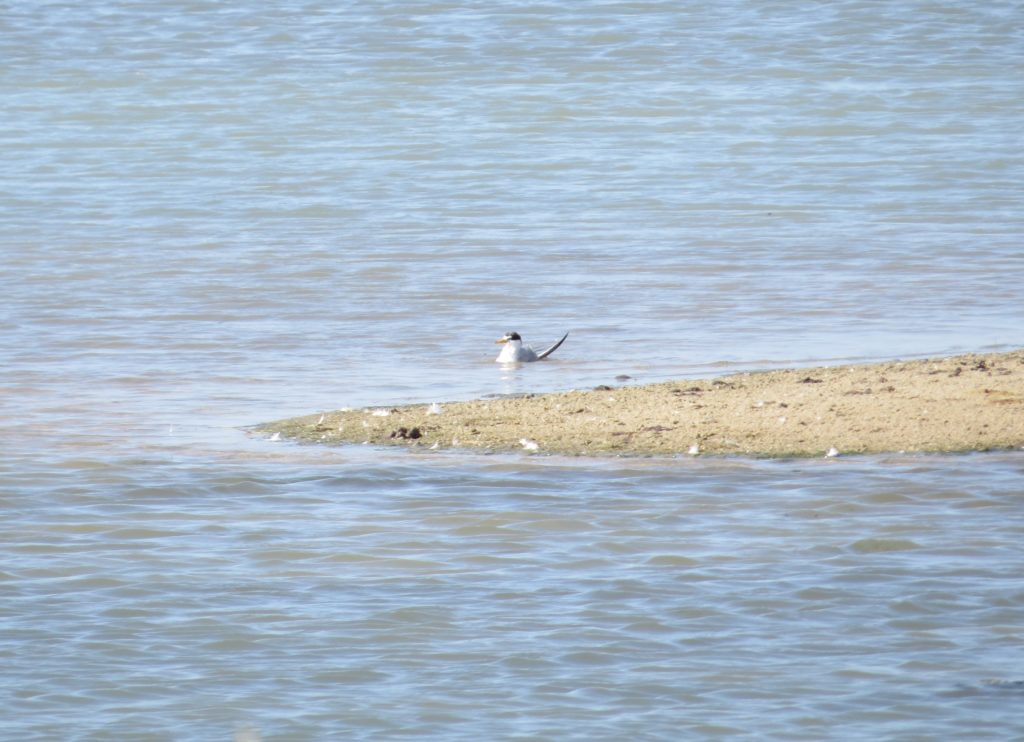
column 970, row 402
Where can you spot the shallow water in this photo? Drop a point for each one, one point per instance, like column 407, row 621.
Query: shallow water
column 214, row 216
column 318, row 594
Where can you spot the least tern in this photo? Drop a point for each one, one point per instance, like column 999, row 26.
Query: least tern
column 515, row 352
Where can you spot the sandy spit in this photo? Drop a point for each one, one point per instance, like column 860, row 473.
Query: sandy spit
column 963, row 403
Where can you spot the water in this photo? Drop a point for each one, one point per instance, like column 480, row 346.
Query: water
column 213, row 216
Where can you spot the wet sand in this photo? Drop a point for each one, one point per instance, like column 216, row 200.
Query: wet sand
column 962, row 403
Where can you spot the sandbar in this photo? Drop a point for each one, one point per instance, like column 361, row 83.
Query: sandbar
column 961, row 403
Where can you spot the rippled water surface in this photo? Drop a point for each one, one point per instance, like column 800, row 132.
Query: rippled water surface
column 213, row 215
column 339, row 596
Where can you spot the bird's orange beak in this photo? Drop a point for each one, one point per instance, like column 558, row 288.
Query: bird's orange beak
column 501, row 341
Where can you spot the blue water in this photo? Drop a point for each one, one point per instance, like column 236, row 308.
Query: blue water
column 212, row 216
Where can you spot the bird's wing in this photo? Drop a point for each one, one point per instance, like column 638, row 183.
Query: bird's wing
column 548, row 351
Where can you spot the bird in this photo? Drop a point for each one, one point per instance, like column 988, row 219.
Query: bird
column 515, row 352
